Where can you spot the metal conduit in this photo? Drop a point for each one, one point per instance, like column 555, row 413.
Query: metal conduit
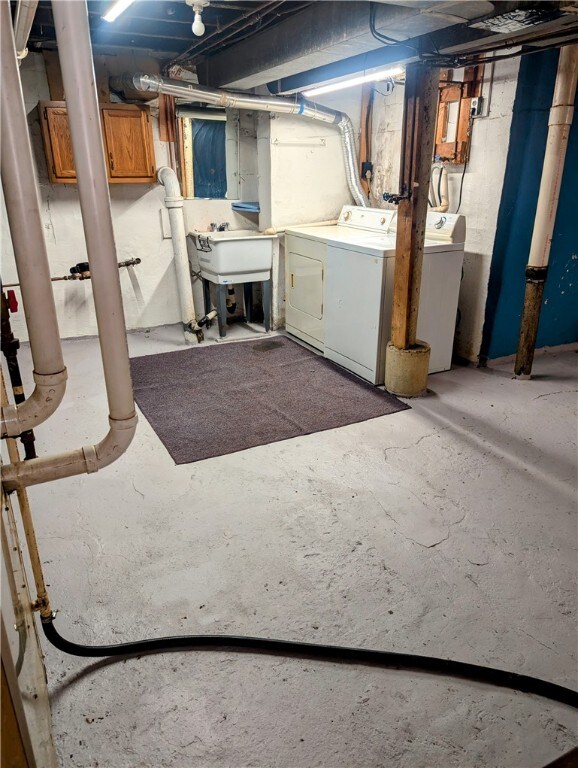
column 277, row 104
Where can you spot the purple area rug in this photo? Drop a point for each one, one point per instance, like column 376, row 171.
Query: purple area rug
column 214, row 400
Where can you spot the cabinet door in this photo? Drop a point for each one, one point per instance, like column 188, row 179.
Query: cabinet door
column 57, row 144
column 129, row 145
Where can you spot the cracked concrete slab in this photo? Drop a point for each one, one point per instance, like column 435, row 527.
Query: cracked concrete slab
column 448, row 529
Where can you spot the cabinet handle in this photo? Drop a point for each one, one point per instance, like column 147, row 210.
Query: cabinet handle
column 292, row 276
column 111, row 160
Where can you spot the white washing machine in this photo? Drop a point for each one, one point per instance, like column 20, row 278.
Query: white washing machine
column 339, row 287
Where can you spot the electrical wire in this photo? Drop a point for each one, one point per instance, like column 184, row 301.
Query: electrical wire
column 457, row 61
column 333, row 653
column 462, row 186
column 472, row 57
column 380, row 36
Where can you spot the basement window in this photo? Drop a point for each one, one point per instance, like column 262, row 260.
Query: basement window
column 209, row 161
column 208, row 140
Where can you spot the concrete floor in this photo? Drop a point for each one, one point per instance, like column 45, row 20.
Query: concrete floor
column 448, row 529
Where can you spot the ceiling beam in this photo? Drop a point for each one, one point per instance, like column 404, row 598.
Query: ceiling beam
column 328, row 31
column 450, row 41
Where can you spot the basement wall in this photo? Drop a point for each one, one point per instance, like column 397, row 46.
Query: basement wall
column 301, row 176
column 559, row 315
column 482, row 189
column 294, row 167
column 141, row 230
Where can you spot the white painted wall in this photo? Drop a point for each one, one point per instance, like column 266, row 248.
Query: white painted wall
column 149, row 290
column 301, row 176
column 294, row 167
column 482, row 188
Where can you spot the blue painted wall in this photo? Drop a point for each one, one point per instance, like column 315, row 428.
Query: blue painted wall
column 559, row 317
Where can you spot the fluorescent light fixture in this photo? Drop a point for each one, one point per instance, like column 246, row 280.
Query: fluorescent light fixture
column 382, row 74
column 116, row 9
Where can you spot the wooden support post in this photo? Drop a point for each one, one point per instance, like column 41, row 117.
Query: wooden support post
column 53, row 75
column 367, row 96
column 420, row 106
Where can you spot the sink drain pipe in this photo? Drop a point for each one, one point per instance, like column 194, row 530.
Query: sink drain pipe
column 174, row 203
column 300, row 107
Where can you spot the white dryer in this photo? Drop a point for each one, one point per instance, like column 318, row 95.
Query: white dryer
column 339, row 287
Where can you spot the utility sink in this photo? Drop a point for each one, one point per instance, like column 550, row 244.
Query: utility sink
column 240, row 256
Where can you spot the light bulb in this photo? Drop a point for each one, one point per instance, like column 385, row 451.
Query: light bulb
column 198, row 26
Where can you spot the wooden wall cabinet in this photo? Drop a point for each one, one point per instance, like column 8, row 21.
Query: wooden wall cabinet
column 128, row 143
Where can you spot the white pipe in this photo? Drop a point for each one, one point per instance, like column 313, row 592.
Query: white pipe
column 73, row 38
column 25, row 12
column 275, row 231
column 444, row 203
column 278, row 104
column 174, row 203
column 554, row 156
column 23, row 209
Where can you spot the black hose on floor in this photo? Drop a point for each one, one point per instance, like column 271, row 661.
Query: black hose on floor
column 335, row 653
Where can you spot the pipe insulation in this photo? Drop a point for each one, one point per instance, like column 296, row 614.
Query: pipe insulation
column 174, row 203
column 75, row 51
column 276, row 104
column 23, row 209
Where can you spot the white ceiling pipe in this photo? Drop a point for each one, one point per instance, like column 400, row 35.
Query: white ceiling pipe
column 25, row 12
column 23, row 209
column 72, row 33
column 559, row 124
column 277, row 104
column 174, row 203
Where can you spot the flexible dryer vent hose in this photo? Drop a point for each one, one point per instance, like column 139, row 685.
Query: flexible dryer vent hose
column 296, row 105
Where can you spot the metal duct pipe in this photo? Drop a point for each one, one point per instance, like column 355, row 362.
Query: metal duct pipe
column 277, row 104
column 72, row 34
column 25, row 13
column 559, row 125
column 23, row 209
column 174, row 204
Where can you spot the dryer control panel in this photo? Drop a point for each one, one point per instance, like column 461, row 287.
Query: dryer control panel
column 370, row 219
column 446, row 227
